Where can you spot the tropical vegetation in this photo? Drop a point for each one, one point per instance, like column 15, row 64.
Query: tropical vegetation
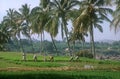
column 52, row 15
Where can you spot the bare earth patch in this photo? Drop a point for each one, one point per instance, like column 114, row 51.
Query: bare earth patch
column 64, row 68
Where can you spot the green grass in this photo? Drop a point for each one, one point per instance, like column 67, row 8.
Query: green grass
column 12, row 67
column 10, row 59
column 61, row 75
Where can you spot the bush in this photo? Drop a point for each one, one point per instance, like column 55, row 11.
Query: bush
column 85, row 53
column 111, row 52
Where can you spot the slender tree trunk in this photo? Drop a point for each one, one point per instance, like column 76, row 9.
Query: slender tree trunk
column 67, row 40
column 66, row 33
column 30, row 39
column 41, row 45
column 92, row 41
column 21, row 46
column 32, row 45
column 18, row 45
column 83, row 45
column 22, row 50
column 73, row 47
column 54, row 44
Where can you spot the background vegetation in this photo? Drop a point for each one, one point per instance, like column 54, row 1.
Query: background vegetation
column 102, row 48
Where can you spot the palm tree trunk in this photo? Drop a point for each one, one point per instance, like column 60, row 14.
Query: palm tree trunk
column 18, row 45
column 21, row 46
column 22, row 50
column 66, row 33
column 32, row 45
column 30, row 38
column 41, row 45
column 54, row 44
column 92, row 41
column 83, row 45
column 73, row 47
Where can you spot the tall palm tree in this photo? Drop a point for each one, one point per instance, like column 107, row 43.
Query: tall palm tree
column 44, row 20
column 92, row 14
column 39, row 17
column 24, row 17
column 116, row 17
column 62, row 9
column 15, row 25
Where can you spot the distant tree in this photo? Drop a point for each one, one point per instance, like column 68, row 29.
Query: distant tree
column 48, row 46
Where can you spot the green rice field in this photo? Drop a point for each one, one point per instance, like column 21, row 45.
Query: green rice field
column 13, row 67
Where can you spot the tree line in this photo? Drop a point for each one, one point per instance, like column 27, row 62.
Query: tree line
column 51, row 15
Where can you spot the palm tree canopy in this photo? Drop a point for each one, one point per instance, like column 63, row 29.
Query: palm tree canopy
column 116, row 18
column 24, row 20
column 39, row 17
column 92, row 11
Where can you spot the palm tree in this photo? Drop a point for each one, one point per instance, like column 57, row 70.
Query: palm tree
column 24, row 17
column 116, row 17
column 92, row 14
column 39, row 17
column 44, row 20
column 62, row 8
column 16, row 26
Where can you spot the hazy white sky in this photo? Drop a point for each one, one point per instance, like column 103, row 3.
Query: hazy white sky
column 6, row 4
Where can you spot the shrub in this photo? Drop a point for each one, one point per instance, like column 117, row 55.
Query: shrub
column 84, row 53
column 111, row 52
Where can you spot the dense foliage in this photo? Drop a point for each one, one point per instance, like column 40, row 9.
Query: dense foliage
column 104, row 48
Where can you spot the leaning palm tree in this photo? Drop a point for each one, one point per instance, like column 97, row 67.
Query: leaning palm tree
column 116, row 17
column 92, row 14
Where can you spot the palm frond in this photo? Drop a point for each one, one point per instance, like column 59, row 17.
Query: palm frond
column 115, row 24
column 105, row 10
column 99, row 27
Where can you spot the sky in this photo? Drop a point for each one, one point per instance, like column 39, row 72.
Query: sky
column 98, row 36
